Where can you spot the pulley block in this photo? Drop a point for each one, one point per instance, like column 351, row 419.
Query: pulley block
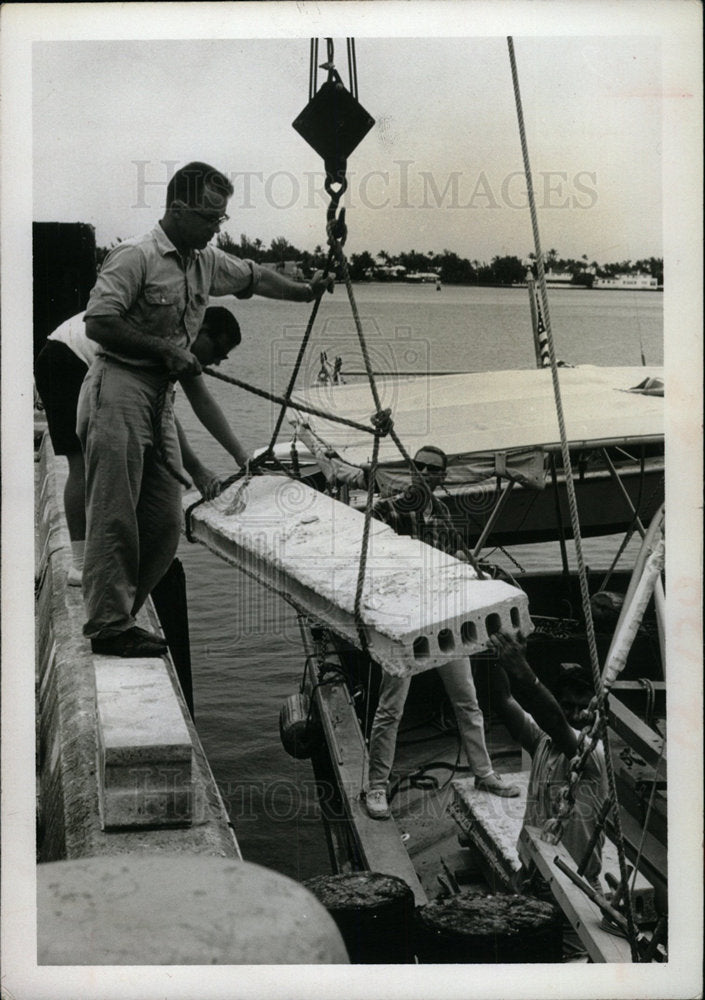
column 333, row 123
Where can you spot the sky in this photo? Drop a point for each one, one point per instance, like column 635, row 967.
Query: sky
column 441, row 168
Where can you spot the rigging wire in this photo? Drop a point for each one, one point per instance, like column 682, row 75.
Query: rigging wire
column 313, row 69
column 352, row 66
column 555, row 826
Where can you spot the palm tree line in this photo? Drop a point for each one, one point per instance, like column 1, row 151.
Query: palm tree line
column 448, row 267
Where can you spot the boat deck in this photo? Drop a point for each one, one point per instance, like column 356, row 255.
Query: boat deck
column 431, row 836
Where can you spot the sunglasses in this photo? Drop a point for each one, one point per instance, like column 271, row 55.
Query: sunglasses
column 214, row 220
column 425, row 467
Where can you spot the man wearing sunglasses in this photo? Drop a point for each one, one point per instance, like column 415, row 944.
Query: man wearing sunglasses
column 144, row 312
column 418, row 513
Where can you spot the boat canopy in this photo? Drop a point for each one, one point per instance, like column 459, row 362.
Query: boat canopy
column 489, row 423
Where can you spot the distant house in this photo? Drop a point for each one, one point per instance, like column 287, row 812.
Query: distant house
column 558, row 278
column 389, row 272
column 291, row 268
column 422, row 276
column 637, row 282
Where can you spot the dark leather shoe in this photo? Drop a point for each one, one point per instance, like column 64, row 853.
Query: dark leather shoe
column 159, row 640
column 128, row 643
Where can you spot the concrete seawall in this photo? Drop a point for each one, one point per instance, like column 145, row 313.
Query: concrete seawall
column 179, row 807
column 139, row 864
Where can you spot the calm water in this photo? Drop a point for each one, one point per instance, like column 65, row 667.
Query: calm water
column 246, row 650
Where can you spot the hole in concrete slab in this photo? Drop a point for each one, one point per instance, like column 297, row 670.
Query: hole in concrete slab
column 468, row 632
column 514, row 615
column 446, row 640
column 421, row 650
column 493, row 624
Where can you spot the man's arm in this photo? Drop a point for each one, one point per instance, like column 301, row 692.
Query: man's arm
column 336, row 470
column 508, row 708
column 114, row 334
column 212, row 417
column 273, row 285
column 532, row 695
column 205, row 481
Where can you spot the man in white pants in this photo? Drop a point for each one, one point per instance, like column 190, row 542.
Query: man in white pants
column 416, row 512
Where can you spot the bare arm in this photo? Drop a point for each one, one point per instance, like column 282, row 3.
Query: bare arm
column 114, row 334
column 212, row 417
column 532, row 695
column 206, row 481
column 508, row 708
column 336, row 470
column 273, row 285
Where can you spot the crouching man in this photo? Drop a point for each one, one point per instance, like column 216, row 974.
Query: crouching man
column 548, row 728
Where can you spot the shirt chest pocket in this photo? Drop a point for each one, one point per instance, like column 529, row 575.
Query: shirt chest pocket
column 163, row 309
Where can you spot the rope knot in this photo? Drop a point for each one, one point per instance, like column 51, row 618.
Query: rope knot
column 382, row 422
column 336, row 228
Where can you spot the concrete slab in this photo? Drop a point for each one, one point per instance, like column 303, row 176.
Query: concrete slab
column 144, row 747
column 137, row 708
column 494, row 824
column 421, row 607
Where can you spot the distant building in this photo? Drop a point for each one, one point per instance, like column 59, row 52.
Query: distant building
column 422, row 276
column 636, row 282
column 387, row 272
column 291, row 268
column 558, row 277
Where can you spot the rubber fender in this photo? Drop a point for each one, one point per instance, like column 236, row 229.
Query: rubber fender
column 299, row 731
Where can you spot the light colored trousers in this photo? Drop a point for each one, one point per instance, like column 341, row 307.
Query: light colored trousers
column 458, row 682
column 133, row 504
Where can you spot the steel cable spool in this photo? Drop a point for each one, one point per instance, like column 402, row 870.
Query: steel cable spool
column 492, row 930
column 374, row 914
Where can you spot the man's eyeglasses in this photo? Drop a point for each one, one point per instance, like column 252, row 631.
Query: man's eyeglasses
column 424, row 467
column 214, row 220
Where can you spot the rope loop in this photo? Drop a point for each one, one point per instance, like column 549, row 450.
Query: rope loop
column 252, row 468
column 336, row 228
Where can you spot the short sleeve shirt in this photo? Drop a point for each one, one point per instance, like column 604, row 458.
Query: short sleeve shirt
column 406, row 514
column 72, row 333
column 147, row 283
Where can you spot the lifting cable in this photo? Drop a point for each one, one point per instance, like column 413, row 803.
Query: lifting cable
column 596, row 729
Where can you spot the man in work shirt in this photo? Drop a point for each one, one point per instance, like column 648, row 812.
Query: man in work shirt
column 144, row 311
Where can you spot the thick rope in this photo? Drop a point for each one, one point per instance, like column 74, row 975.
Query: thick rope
column 158, row 421
column 273, row 398
column 378, row 405
column 364, row 548
column 297, row 364
column 599, row 702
